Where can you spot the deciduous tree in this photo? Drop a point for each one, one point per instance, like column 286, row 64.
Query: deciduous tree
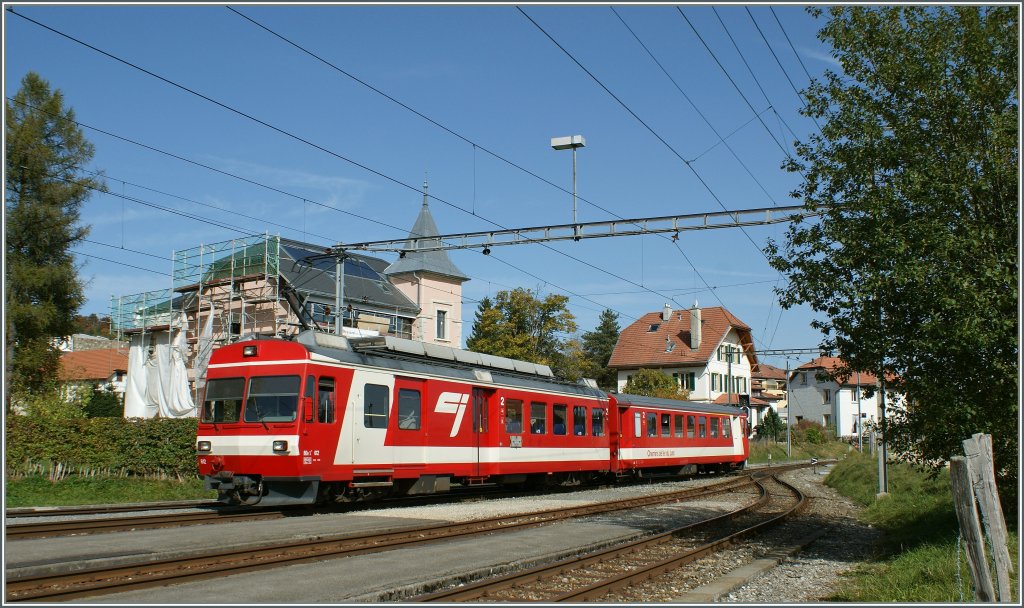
column 914, row 262
column 654, row 383
column 520, row 325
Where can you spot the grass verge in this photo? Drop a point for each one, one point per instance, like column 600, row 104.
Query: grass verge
column 35, row 491
column 920, row 558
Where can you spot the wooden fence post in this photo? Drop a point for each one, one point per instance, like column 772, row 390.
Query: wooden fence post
column 970, row 529
column 978, row 450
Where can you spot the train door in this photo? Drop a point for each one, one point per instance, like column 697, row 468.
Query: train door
column 481, row 401
column 408, row 429
column 320, row 422
column 371, row 414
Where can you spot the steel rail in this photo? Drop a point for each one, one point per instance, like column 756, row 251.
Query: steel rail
column 119, row 524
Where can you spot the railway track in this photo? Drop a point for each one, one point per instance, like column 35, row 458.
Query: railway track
column 120, row 524
column 598, row 575
column 99, row 581
column 213, row 512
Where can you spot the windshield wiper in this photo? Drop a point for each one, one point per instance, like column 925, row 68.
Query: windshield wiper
column 259, row 414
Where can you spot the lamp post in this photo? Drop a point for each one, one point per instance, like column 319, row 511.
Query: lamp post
column 566, row 143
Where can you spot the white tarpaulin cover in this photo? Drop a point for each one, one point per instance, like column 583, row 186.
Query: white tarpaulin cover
column 157, row 378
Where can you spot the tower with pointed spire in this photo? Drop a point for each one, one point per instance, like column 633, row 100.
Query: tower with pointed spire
column 432, row 281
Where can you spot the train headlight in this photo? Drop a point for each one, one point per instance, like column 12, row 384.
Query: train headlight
column 203, row 446
column 249, row 351
column 280, row 446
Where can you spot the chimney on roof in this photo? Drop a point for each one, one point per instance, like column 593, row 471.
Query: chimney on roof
column 695, row 327
column 666, row 313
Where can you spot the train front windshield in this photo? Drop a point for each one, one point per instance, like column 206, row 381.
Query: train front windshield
column 272, row 399
column 268, row 399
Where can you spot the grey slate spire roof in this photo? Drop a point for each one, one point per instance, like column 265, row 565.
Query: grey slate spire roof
column 435, row 262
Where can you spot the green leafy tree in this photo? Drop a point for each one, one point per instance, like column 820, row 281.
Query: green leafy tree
column 520, row 325
column 771, row 425
column 44, row 189
column 913, row 263
column 655, row 383
column 104, row 404
column 94, row 325
column 598, row 346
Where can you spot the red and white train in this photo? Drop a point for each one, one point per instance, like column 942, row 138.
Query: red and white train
column 324, row 418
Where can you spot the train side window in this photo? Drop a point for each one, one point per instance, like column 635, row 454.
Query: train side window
column 408, row 409
column 679, row 425
column 690, row 426
column 223, row 401
column 375, row 406
column 514, row 416
column 637, row 419
column 558, row 416
column 652, row 424
column 579, row 420
column 666, row 425
column 597, row 422
column 702, row 426
column 726, row 423
column 714, row 427
column 311, row 393
column 538, row 418
column 325, row 400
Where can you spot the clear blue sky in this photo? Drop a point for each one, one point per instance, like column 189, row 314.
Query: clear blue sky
column 484, row 72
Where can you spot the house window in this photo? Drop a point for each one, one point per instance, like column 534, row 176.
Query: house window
column 442, row 325
column 690, row 381
column 826, row 396
column 803, row 377
column 654, row 327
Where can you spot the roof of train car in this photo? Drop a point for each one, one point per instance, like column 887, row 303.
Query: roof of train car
column 674, row 404
column 444, row 368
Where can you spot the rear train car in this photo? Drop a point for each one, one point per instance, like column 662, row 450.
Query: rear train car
column 674, row 437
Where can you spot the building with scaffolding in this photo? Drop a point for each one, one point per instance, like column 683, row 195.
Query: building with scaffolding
column 269, row 286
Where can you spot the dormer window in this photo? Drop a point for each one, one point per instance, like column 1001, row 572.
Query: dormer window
column 654, row 327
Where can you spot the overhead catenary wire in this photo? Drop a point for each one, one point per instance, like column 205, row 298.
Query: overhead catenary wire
column 322, row 148
column 721, row 139
column 256, row 183
column 800, row 96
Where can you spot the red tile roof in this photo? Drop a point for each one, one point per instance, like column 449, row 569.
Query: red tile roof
column 724, row 400
column 640, row 347
column 830, row 364
column 769, row 372
column 97, row 364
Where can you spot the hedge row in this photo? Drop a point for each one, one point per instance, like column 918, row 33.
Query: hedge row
column 133, row 445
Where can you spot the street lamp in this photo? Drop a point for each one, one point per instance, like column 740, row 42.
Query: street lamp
column 565, row 143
